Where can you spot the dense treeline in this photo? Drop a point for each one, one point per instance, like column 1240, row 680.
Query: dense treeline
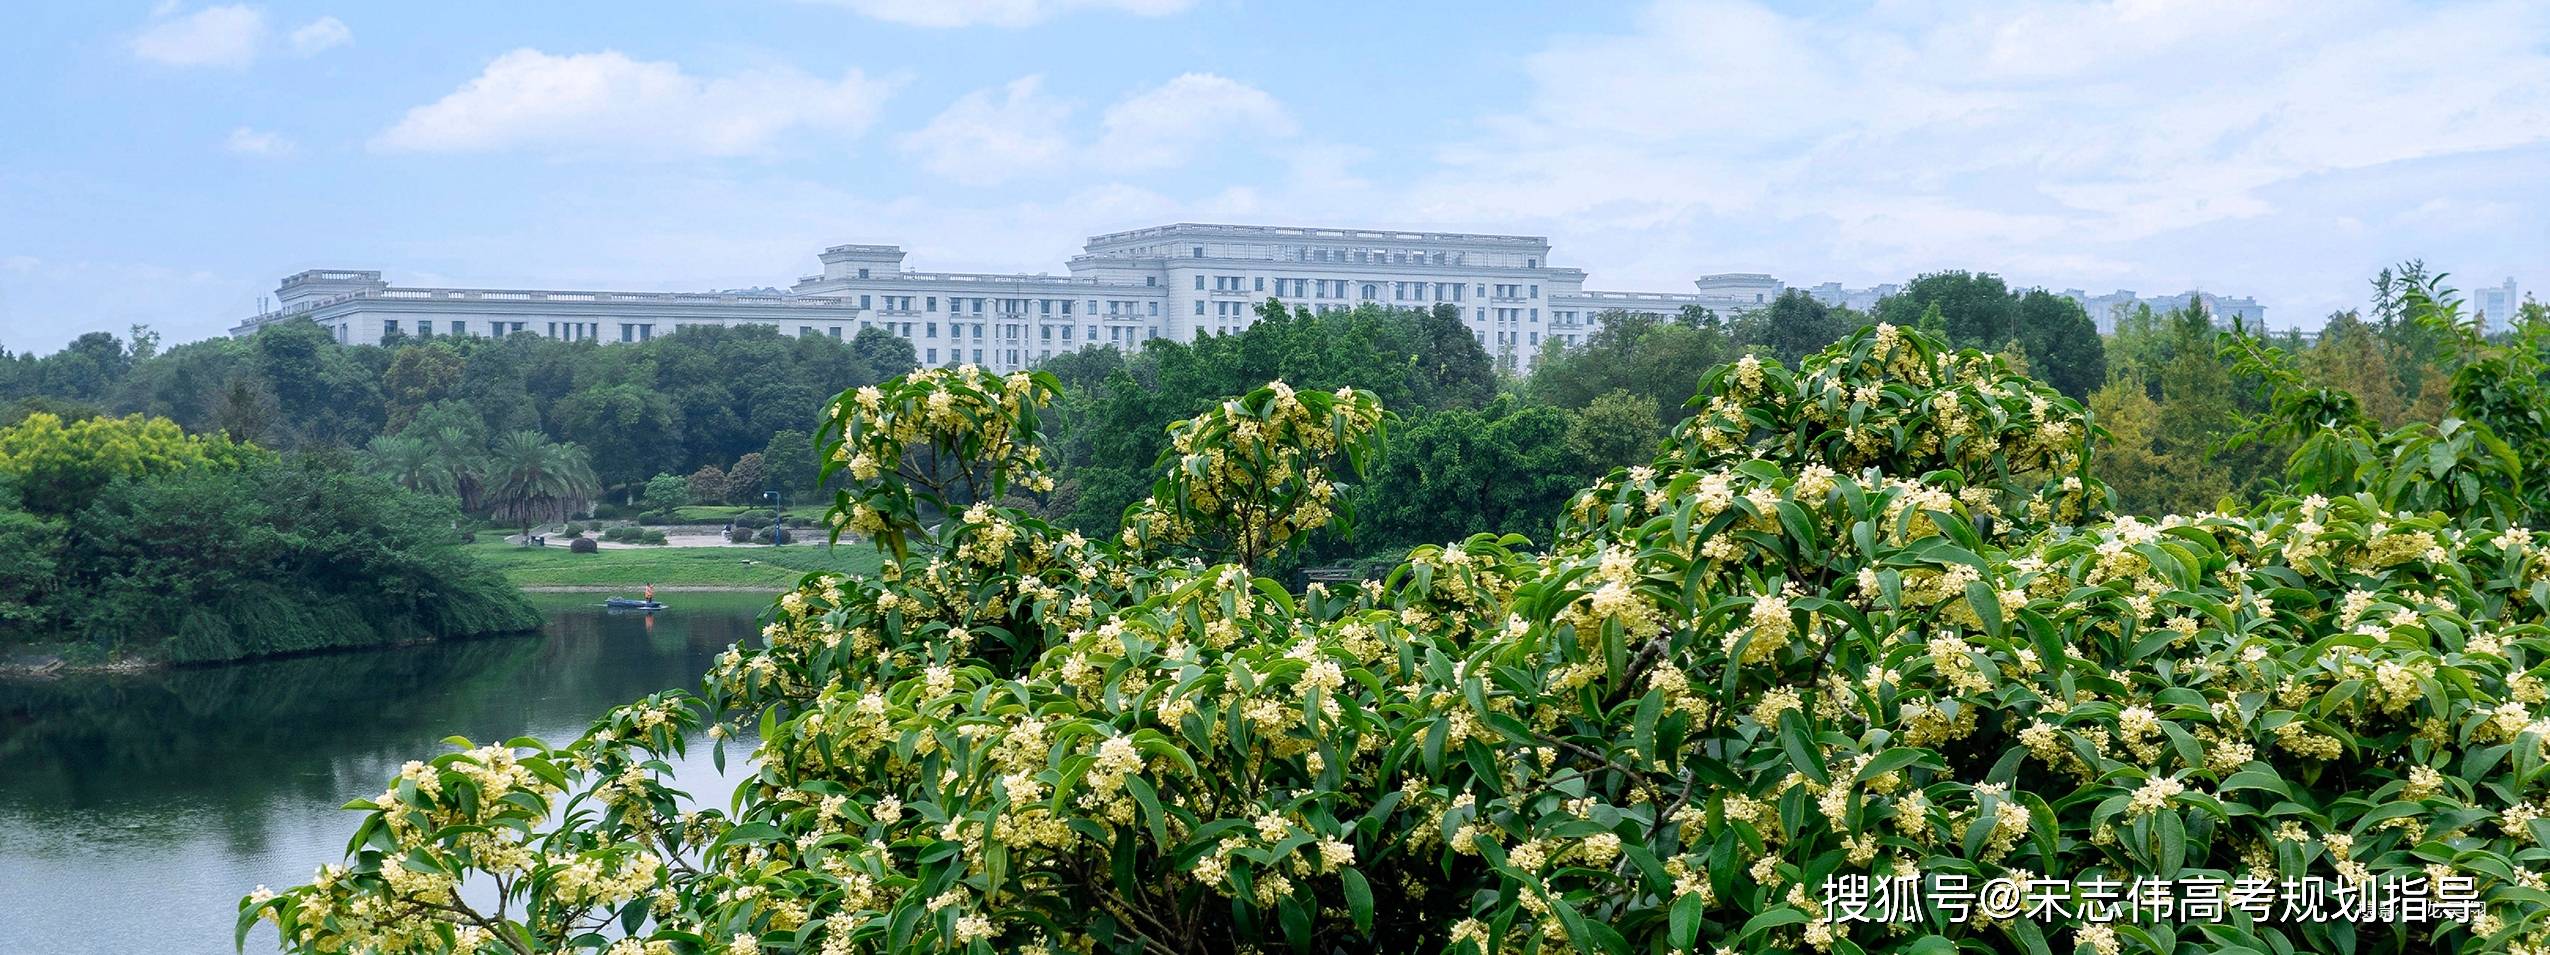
column 128, row 537
column 704, row 397
column 714, row 415
column 2174, row 401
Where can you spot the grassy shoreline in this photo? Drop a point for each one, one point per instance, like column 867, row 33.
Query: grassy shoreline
column 554, row 568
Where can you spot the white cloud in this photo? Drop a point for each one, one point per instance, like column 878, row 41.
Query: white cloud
column 1168, row 124
column 991, row 136
column 226, row 36
column 321, row 34
column 608, row 104
column 998, row 13
column 253, row 142
column 2091, row 139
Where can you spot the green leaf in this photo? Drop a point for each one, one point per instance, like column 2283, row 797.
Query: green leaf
column 1684, row 922
column 1149, row 800
column 1358, row 899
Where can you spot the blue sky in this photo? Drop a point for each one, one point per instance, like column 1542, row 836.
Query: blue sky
column 167, row 164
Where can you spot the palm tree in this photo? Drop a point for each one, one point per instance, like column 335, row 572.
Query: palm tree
column 528, row 478
column 461, row 457
column 412, row 464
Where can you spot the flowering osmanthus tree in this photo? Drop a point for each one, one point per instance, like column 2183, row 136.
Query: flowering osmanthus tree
column 1760, row 663
column 1248, row 477
column 924, row 441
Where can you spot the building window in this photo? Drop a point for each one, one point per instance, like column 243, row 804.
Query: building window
column 863, row 273
column 932, row 302
column 1199, row 308
column 836, row 333
column 1199, row 252
column 1199, row 283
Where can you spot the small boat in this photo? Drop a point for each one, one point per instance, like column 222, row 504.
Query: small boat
column 631, row 603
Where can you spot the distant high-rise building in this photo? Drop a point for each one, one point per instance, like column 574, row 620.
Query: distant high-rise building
column 2106, row 309
column 1861, row 299
column 2495, row 306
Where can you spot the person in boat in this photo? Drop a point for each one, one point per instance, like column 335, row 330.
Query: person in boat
column 650, row 593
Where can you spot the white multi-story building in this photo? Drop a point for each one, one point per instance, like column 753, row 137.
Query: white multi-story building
column 1180, row 282
column 2106, row 309
column 2495, row 306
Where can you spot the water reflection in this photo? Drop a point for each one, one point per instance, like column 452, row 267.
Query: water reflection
column 161, row 797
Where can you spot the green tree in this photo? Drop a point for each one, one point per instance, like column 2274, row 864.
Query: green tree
column 286, row 555
column 708, row 483
column 1617, row 429
column 28, row 575
column 2147, row 477
column 1652, row 358
column 59, row 467
column 2061, row 342
column 529, row 480
column 1978, row 309
column 1794, row 326
column 790, row 465
column 747, row 479
column 886, row 353
column 1456, row 472
column 413, row 463
column 2350, row 355
column 419, row 375
column 664, row 494
column 628, row 429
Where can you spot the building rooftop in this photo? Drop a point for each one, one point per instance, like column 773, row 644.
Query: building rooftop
column 1220, row 230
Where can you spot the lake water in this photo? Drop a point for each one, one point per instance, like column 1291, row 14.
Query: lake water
column 135, row 809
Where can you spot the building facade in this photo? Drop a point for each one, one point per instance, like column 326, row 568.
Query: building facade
column 2495, row 306
column 2106, row 309
column 1180, row 282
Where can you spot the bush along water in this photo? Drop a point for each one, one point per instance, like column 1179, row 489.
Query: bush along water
column 129, row 538
column 1859, row 619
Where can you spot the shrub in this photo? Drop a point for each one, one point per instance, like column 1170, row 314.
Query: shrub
column 1861, row 618
column 583, row 545
column 203, row 565
column 652, row 537
column 624, row 534
column 740, row 535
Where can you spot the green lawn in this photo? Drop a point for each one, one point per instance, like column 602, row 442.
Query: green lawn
column 776, row 568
